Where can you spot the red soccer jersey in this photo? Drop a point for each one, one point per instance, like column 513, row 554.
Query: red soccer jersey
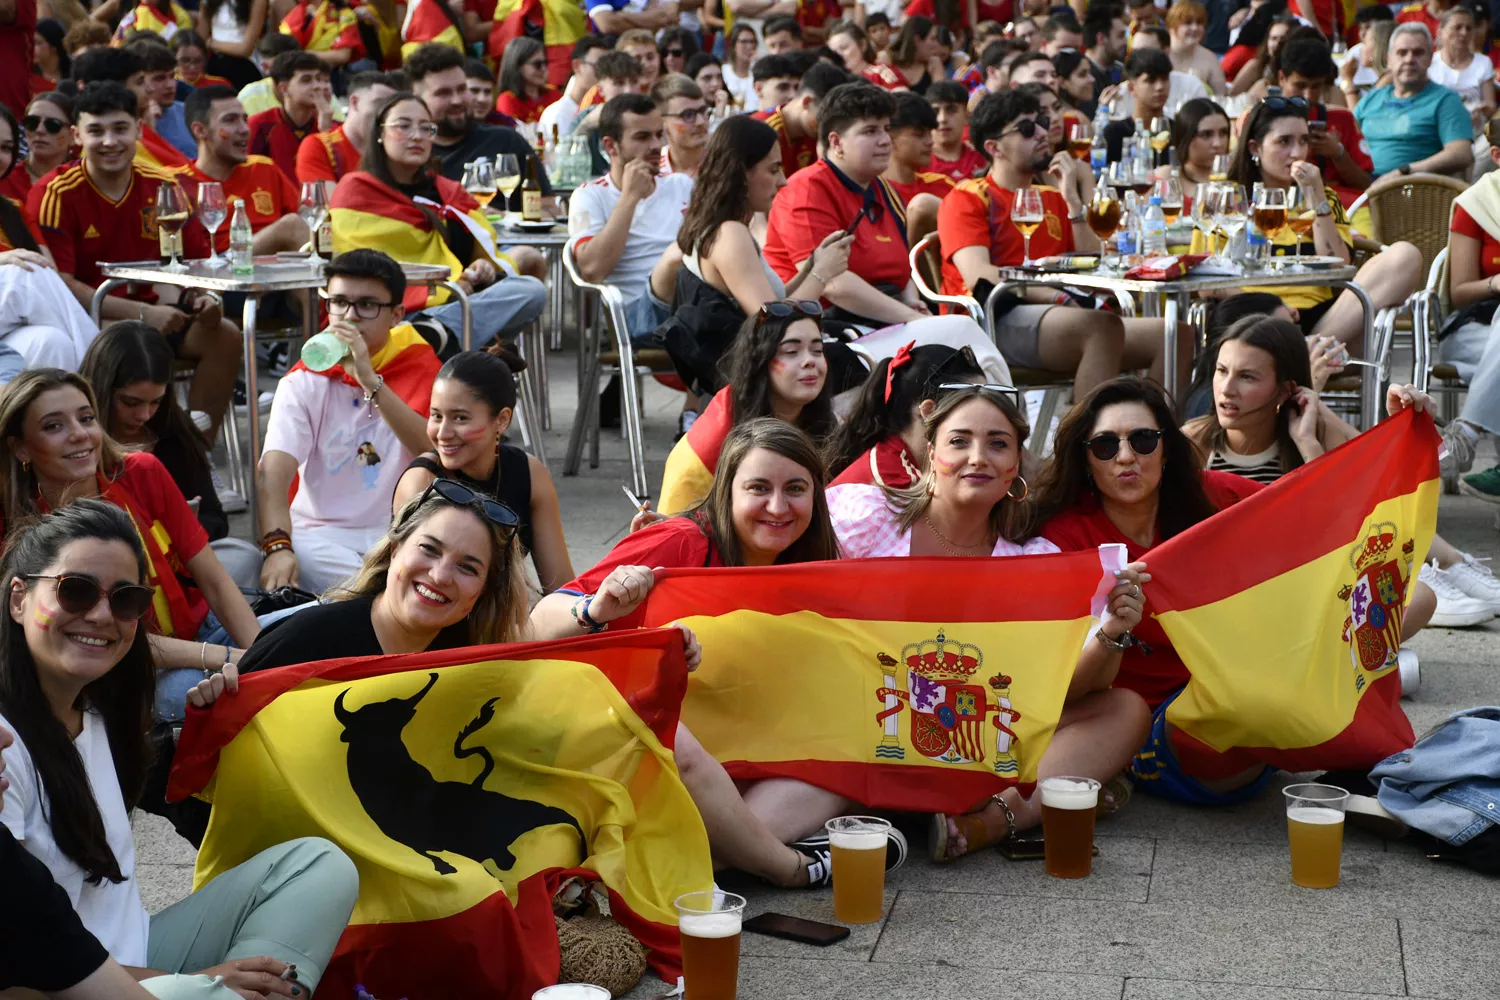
column 18, row 185
column 928, row 9
column 1341, row 121
column 84, row 228
column 816, row 14
column 1489, row 247
column 821, row 200
column 937, row 185
column 31, row 227
column 274, row 134
column 970, row 163
column 16, row 52
column 883, row 76
column 977, row 214
column 795, row 153
column 326, row 156
column 266, row 192
column 1417, row 13
column 526, row 111
column 1087, row 526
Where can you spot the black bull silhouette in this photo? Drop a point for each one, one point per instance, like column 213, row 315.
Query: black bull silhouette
column 412, row 807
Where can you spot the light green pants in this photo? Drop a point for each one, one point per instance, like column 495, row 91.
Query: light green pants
column 290, row 902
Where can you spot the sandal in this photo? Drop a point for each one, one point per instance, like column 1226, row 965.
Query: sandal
column 1114, row 795
column 971, row 828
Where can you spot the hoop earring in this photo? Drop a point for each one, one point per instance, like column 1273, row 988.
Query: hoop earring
column 1255, row 158
column 1025, row 490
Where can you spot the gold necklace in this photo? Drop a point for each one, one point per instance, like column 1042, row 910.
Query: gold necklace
column 953, row 547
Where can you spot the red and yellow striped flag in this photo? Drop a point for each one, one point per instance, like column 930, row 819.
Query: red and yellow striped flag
column 922, row 684
column 559, row 22
column 466, row 785
column 689, row 472
column 429, row 21
column 1286, row 609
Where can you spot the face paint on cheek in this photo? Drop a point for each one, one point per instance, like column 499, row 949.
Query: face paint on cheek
column 946, row 468
column 778, row 366
column 43, row 616
column 225, row 135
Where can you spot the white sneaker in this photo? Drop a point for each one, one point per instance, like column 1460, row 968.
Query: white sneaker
column 229, row 499
column 1409, row 670
column 1475, row 580
column 1455, row 608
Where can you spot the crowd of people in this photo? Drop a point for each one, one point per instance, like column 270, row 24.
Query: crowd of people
column 763, row 171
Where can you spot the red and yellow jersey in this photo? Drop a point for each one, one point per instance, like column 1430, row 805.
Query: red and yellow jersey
column 795, row 153
column 323, row 27
column 326, row 156
column 970, row 164
column 1417, row 13
column 937, row 185
column 265, row 190
column 207, row 80
column 822, row 200
column 977, row 213
column 166, row 20
column 274, row 134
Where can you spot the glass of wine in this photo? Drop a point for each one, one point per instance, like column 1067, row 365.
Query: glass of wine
column 1270, row 210
column 1205, row 213
column 212, row 211
column 1219, row 171
column 1027, row 214
column 1080, row 140
column 507, row 175
column 1160, row 130
column 1299, row 219
column 479, row 181
column 312, row 207
column 1234, row 211
column 1169, row 190
column 1104, row 213
column 172, row 212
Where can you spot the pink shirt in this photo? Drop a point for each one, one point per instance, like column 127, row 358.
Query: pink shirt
column 868, row 527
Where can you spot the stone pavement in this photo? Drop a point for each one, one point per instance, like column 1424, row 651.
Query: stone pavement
column 1184, row 904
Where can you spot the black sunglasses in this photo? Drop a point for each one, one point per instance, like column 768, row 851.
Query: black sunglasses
column 1027, row 127
column 1143, row 441
column 35, row 123
column 1010, row 392
column 1278, row 103
column 783, row 309
column 78, row 595
column 674, row 53
column 461, row 496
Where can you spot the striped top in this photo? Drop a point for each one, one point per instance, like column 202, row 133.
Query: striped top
column 1262, row 467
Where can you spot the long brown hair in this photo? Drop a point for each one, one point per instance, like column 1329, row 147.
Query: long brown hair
column 1243, row 169
column 1011, row 519
column 745, row 365
column 715, row 512
column 1284, row 342
column 721, row 191
column 18, row 484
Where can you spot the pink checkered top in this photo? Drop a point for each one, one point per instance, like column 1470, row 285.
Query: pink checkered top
column 867, row 526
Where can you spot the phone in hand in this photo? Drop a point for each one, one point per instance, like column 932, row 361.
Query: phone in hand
column 1317, row 126
column 779, row 925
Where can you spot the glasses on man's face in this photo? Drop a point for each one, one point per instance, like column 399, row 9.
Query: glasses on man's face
column 338, row 305
column 1027, row 128
column 36, row 123
column 1143, row 441
column 406, row 129
column 690, row 116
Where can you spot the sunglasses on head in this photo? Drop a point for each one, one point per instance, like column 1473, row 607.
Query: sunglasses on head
column 783, row 309
column 1028, row 127
column 1143, row 441
column 1279, row 103
column 1010, row 392
column 78, row 595
column 461, row 496
column 35, row 123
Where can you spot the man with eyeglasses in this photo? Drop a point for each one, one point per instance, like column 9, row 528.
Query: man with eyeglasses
column 682, row 107
column 1046, row 330
column 346, row 434
column 564, row 111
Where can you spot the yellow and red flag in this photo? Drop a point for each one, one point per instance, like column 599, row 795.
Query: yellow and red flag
column 557, row 23
column 921, row 684
column 1286, row 609
column 466, row 785
column 429, row 21
column 324, row 26
column 689, row 472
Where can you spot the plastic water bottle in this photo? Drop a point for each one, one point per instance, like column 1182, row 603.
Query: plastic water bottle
column 322, row 351
column 1256, row 248
column 241, row 250
column 1153, row 229
column 1128, row 239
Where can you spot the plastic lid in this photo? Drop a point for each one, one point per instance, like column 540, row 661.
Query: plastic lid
column 1156, row 199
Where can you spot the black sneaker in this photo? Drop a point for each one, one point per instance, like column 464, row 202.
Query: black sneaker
column 895, row 847
column 819, row 869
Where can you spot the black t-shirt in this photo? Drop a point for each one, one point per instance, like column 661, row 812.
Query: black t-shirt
column 43, row 944
column 191, row 474
column 491, row 141
column 327, row 632
column 510, row 483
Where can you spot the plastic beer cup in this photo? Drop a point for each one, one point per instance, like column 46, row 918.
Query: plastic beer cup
column 1315, row 829
column 709, row 926
column 857, row 848
column 571, row 991
column 1068, row 806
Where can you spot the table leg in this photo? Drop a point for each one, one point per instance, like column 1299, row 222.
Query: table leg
column 1169, row 346
column 463, row 304
column 99, row 295
column 252, row 397
column 1370, row 379
column 559, row 301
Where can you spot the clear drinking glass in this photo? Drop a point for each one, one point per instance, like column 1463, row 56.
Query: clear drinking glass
column 1105, row 210
column 1234, row 210
column 479, row 181
column 1270, row 210
column 212, row 211
column 1299, row 219
column 1027, row 214
column 507, row 175
column 1169, row 190
column 312, row 207
column 857, row 846
column 1205, row 213
column 172, row 212
column 1068, row 807
column 1315, row 832
column 1220, row 169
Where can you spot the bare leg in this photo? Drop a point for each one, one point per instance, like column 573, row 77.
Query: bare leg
column 1143, row 349
column 214, row 343
column 1091, row 342
column 1445, row 554
column 1419, row 611
column 793, row 809
column 736, row 836
column 1388, row 278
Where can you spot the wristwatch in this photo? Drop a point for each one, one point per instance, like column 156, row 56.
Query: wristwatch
column 1322, row 209
column 1404, row 170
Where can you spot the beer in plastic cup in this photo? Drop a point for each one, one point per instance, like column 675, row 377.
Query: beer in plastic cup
column 857, row 848
column 708, row 924
column 571, row 991
column 1068, row 806
column 1315, row 829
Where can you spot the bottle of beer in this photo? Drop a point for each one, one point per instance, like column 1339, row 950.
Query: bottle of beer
column 531, row 194
column 241, row 250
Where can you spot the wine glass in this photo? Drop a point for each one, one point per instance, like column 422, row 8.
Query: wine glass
column 1104, row 213
column 1169, row 190
column 1027, row 214
column 1220, row 169
column 1080, row 140
column 479, row 181
column 1205, row 213
column 212, row 211
column 1299, row 219
column 1160, row 130
column 507, row 175
column 1234, row 211
column 172, row 212
column 312, row 207
column 1270, row 210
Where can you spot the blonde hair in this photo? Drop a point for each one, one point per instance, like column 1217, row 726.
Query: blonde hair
column 633, row 37
column 499, row 615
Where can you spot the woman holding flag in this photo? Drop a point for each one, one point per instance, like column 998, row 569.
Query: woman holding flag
column 967, row 505
column 765, row 507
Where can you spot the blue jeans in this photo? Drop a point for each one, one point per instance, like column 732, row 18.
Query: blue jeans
column 11, row 363
column 172, row 686
column 500, row 310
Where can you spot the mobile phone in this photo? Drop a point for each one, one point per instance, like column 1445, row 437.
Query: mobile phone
column 1317, row 126
column 854, row 222
column 1027, row 847
column 779, row 925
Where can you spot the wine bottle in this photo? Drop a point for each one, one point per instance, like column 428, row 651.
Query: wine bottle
column 531, row 194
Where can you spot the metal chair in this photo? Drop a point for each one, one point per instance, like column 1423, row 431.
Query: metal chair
column 595, row 361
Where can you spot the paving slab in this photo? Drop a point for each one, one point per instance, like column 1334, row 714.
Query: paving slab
column 1223, row 943
column 809, row 904
column 1176, row 989
column 794, row 979
column 1122, row 872
column 163, row 885
column 1457, row 958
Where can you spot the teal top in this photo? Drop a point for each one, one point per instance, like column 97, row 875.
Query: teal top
column 1402, row 130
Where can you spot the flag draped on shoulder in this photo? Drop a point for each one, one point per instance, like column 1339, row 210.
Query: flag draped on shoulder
column 1286, row 609
column 919, row 684
column 429, row 21
column 557, row 24
column 689, row 472
column 466, row 785
column 406, row 362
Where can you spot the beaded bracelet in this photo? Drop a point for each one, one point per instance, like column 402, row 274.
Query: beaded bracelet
column 581, row 617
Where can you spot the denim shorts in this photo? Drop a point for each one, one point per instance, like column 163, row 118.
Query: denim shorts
column 1156, row 770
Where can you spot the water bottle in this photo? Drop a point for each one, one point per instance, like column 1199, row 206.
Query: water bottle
column 1153, row 229
column 241, row 248
column 1099, row 153
column 1127, row 240
column 322, row 351
column 1256, row 248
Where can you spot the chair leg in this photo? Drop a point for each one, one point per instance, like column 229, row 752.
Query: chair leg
column 1039, row 433
column 230, row 428
column 631, row 420
column 531, row 423
column 585, row 420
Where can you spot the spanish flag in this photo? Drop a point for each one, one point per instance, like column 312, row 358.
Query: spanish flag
column 466, row 785
column 1286, row 609
column 918, row 684
column 689, row 472
column 324, row 26
column 368, row 213
column 429, row 21
column 152, row 149
column 165, row 21
column 557, row 23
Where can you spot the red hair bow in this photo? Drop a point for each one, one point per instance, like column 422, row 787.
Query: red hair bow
column 901, row 357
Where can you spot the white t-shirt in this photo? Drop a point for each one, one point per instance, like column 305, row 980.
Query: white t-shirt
column 562, row 113
column 1184, row 87
column 742, row 87
column 652, row 229
column 1364, row 76
column 1466, row 81
column 348, row 458
column 111, row 911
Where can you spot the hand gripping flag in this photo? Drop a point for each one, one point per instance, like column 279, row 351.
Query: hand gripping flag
column 466, row 785
column 1287, row 607
column 921, row 684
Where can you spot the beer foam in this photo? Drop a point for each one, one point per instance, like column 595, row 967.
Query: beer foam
column 1316, row 815
column 709, row 925
column 1066, row 793
column 858, row 840
column 571, row 991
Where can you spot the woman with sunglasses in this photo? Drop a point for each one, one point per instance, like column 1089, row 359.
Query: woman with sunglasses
column 524, row 91
column 473, row 401
column 766, row 507
column 47, row 125
column 76, row 690
column 676, row 46
column 1273, row 152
